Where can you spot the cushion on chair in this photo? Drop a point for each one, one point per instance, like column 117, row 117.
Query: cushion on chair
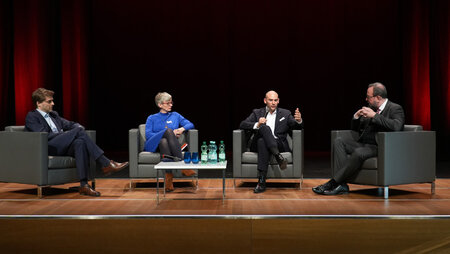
column 371, row 163
column 15, row 128
column 148, row 158
column 252, row 158
column 61, row 162
column 412, row 128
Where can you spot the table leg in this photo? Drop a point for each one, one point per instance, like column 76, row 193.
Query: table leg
column 223, row 186
column 157, row 187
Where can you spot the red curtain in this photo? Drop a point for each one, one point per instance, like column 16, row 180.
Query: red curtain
column 31, row 52
column 50, row 50
column 74, row 60
column 416, row 65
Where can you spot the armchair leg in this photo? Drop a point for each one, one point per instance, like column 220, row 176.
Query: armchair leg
column 131, row 184
column 301, row 182
column 39, row 191
column 433, row 186
column 386, row 192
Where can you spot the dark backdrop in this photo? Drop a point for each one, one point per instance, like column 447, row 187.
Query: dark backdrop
column 218, row 58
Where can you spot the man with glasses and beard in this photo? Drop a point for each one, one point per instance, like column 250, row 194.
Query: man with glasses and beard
column 349, row 155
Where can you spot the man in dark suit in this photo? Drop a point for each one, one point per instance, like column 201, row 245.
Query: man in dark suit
column 67, row 138
column 270, row 126
column 349, row 155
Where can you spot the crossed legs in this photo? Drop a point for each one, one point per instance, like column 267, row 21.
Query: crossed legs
column 348, row 157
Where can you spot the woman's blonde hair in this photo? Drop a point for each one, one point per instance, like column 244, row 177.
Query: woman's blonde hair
column 162, row 97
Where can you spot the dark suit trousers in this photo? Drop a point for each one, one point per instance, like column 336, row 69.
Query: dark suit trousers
column 349, row 155
column 265, row 144
column 83, row 149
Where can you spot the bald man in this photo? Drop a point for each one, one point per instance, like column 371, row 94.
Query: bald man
column 270, row 126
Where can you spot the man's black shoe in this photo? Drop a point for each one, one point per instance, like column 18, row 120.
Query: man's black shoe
column 340, row 189
column 281, row 161
column 261, row 187
column 323, row 187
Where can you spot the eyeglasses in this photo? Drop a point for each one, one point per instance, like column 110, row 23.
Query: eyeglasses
column 49, row 101
column 369, row 97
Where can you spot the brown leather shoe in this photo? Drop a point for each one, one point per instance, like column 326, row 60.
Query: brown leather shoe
column 169, row 182
column 188, row 172
column 114, row 167
column 88, row 191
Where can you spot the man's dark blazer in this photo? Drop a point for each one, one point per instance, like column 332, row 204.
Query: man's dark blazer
column 58, row 143
column 392, row 118
column 284, row 123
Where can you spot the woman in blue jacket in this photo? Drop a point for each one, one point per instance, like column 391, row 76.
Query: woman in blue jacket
column 162, row 130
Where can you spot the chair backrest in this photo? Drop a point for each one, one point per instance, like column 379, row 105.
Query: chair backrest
column 412, row 128
column 142, row 138
column 15, row 128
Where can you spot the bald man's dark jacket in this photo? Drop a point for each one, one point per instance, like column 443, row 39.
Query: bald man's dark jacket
column 284, row 123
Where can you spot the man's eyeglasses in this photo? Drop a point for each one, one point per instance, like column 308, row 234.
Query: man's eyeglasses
column 369, row 97
column 49, row 101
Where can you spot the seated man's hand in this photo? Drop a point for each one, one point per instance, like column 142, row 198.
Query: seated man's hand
column 262, row 121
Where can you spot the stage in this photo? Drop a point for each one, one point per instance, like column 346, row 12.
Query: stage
column 283, row 197
column 284, row 219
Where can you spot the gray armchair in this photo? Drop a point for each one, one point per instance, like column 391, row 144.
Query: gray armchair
column 24, row 159
column 404, row 157
column 245, row 162
column 142, row 164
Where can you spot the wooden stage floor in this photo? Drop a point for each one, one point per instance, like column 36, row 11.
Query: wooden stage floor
column 281, row 220
column 281, row 199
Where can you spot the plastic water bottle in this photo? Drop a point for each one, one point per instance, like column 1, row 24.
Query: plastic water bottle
column 204, row 149
column 222, row 152
column 212, row 158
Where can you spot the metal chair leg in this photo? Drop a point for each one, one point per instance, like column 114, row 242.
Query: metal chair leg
column 386, row 192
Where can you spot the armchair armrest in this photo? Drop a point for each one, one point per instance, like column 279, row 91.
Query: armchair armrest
column 297, row 152
column 14, row 146
column 405, row 157
column 238, row 141
column 92, row 134
column 133, row 150
column 192, row 140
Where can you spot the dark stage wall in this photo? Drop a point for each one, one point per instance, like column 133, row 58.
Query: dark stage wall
column 218, row 58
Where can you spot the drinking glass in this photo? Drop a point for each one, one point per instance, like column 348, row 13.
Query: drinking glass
column 187, row 157
column 194, row 157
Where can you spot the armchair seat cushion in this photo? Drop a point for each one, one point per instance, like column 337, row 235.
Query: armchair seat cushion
column 371, row 163
column 148, row 158
column 252, row 158
column 61, row 162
